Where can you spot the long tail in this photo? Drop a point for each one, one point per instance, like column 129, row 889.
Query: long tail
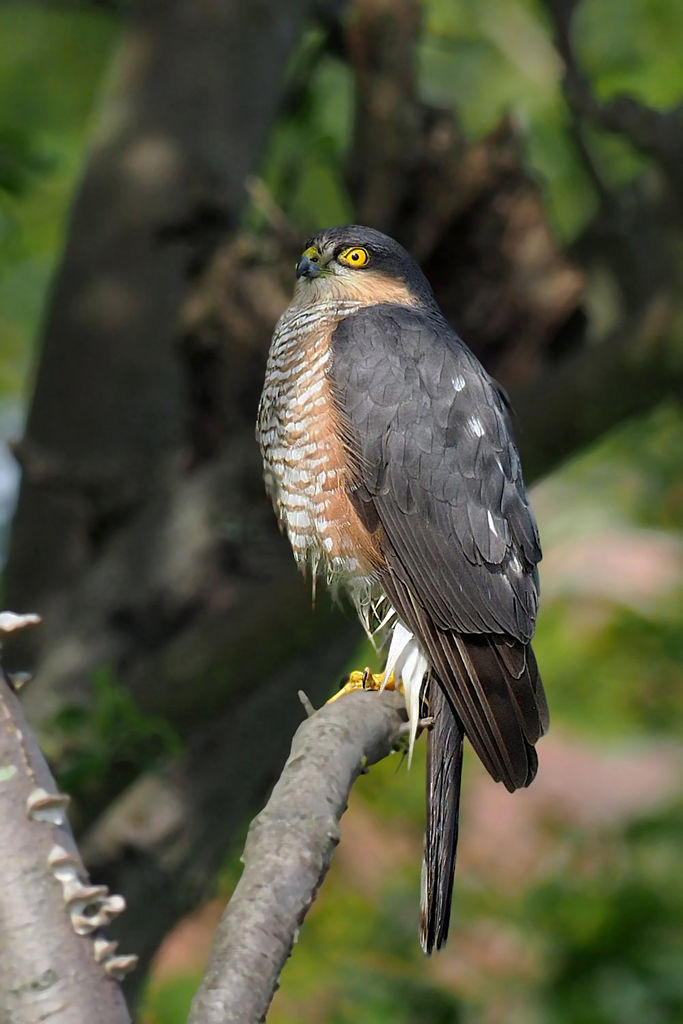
column 444, row 766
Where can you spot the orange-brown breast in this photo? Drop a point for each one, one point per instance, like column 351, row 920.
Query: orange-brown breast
column 307, row 465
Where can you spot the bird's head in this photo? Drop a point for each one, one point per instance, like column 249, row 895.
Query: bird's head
column 359, row 264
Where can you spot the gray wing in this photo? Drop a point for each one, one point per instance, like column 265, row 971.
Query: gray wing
column 439, row 475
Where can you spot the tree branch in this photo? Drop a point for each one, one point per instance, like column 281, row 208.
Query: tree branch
column 288, row 852
column 161, row 841
column 55, row 961
column 635, row 366
column 656, row 133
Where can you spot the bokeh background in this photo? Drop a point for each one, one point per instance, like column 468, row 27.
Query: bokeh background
column 161, row 164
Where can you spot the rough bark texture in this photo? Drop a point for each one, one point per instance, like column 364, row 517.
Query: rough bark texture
column 288, row 851
column 47, row 970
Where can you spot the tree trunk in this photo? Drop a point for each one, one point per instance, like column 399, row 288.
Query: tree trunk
column 195, row 90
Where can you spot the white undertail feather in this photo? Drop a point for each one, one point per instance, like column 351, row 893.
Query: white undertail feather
column 409, row 664
column 406, row 659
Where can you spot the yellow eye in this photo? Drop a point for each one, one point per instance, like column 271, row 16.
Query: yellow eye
column 354, row 257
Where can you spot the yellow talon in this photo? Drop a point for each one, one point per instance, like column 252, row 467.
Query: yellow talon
column 367, row 680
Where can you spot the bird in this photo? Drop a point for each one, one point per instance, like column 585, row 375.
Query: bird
column 389, row 458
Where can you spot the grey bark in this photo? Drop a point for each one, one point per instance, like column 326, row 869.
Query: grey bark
column 47, row 969
column 636, row 366
column 288, row 852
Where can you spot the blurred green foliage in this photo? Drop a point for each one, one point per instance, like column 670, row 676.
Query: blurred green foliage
column 170, row 1002
column 111, row 739
column 632, row 49
column 487, row 60
column 304, row 166
column 614, row 940
column 491, row 59
column 52, row 62
column 616, row 660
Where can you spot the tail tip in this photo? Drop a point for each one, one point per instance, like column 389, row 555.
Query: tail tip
column 434, row 918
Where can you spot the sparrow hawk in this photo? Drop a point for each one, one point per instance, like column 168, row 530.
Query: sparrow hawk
column 389, row 459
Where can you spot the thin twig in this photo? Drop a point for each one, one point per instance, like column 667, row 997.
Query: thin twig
column 424, row 723
column 306, row 702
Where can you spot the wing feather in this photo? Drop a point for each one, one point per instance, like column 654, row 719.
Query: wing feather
column 430, row 434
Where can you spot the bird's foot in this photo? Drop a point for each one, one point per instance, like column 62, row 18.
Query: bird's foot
column 367, row 680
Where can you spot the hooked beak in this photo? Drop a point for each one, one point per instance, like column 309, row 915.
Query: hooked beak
column 307, row 268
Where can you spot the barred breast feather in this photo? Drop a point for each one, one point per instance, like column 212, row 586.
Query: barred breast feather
column 305, row 461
